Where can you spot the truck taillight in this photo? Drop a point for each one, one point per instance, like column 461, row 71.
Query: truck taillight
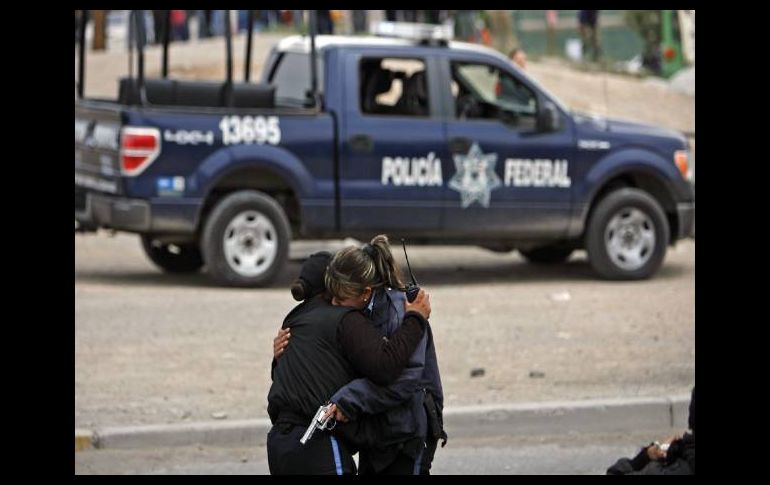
column 138, row 148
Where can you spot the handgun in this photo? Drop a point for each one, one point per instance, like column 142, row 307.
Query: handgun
column 320, row 421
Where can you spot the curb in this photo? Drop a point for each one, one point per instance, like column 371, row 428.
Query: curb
column 84, row 439
column 555, row 417
column 213, row 433
column 547, row 418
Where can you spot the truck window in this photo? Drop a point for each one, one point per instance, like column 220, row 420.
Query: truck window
column 395, row 87
column 482, row 91
column 291, row 78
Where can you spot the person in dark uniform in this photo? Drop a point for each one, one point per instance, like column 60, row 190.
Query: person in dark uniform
column 332, row 344
column 395, row 428
column 675, row 456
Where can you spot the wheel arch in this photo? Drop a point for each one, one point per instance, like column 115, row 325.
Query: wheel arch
column 633, row 167
column 272, row 170
column 646, row 180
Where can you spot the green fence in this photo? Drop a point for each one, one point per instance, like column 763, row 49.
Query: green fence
column 617, row 40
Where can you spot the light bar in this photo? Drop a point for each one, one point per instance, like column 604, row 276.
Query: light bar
column 414, row 31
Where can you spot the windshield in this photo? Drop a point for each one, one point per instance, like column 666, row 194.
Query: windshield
column 496, row 87
column 558, row 102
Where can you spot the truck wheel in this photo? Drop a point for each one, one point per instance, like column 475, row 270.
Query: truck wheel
column 245, row 240
column 172, row 258
column 627, row 236
column 546, row 254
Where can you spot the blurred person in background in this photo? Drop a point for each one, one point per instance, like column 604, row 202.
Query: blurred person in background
column 588, row 21
column 324, row 24
column 179, row 27
column 243, row 20
column 150, row 25
column 271, row 17
column 204, row 24
column 435, row 16
column 360, row 21
column 409, row 15
column 519, row 57
column 298, row 16
column 159, row 25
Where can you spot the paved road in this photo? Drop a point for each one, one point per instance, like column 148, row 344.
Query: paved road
column 585, row 454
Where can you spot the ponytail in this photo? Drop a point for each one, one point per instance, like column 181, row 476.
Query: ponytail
column 353, row 269
column 386, row 266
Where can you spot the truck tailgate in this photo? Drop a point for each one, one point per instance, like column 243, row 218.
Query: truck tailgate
column 97, row 148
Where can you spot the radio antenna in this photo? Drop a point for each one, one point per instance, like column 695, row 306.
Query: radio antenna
column 411, row 275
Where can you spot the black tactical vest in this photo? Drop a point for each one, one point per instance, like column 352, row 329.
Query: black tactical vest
column 313, row 366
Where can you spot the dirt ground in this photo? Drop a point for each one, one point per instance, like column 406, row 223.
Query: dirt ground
column 153, row 348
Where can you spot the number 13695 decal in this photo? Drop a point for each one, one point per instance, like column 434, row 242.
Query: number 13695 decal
column 250, row 129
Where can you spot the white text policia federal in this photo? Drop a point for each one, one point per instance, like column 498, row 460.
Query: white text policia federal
column 519, row 172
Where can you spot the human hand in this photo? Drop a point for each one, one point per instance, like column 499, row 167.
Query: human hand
column 280, row 342
column 337, row 414
column 655, row 452
column 421, row 304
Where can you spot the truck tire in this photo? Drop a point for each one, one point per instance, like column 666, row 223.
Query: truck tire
column 627, row 235
column 176, row 258
column 245, row 239
column 547, row 254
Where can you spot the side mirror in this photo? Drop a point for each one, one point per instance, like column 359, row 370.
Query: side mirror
column 547, row 117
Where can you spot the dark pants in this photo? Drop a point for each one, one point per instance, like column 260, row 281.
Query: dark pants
column 404, row 463
column 159, row 24
column 323, row 454
column 324, row 24
column 359, row 21
column 589, row 34
column 204, row 24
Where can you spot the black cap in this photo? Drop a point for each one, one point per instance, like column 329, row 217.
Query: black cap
column 311, row 276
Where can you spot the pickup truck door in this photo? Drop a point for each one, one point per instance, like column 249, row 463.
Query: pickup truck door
column 390, row 176
column 507, row 179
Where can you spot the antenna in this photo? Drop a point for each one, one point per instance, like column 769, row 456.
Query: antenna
column 411, row 275
column 412, row 289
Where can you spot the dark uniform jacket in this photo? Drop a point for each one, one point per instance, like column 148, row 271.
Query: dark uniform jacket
column 680, row 460
column 330, row 346
column 386, row 418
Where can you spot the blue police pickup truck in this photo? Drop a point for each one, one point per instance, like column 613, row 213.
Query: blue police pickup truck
column 436, row 141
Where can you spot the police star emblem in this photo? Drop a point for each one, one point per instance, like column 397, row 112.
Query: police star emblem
column 475, row 178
